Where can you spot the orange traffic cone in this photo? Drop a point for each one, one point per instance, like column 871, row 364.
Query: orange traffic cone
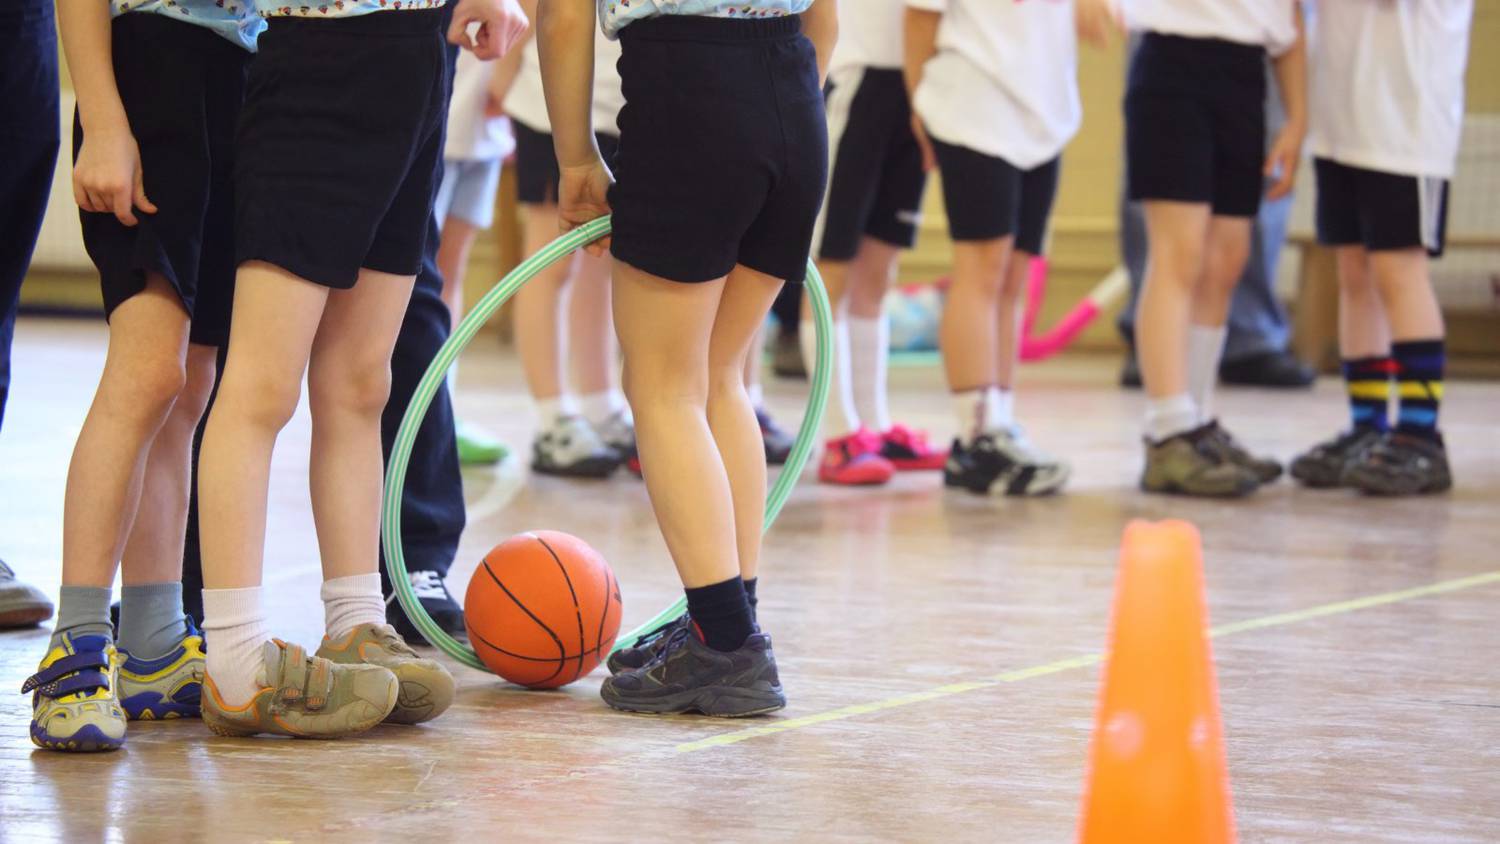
column 1156, row 765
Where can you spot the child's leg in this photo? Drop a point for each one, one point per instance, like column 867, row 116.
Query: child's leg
column 1364, row 341
column 746, row 300
column 276, row 316
column 871, row 275
column 592, row 343
column 843, row 417
column 665, row 330
column 143, row 376
column 1177, row 233
column 1009, row 314
column 538, row 311
column 970, row 347
column 1417, row 332
column 151, row 616
column 1228, row 249
column 453, row 260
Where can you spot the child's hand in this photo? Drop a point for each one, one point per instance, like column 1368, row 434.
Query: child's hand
column 1097, row 21
column 924, row 143
column 107, row 176
column 1281, row 164
column 501, row 25
column 583, row 195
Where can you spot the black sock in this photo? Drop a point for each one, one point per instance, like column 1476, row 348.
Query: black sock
column 721, row 614
column 754, row 602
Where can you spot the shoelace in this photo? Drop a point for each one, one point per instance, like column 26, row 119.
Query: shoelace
column 651, row 637
column 675, row 640
column 427, row 584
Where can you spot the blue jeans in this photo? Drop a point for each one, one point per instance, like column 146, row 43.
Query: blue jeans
column 1257, row 322
column 28, row 151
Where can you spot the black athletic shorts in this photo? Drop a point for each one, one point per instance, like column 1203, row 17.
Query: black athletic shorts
column 536, row 162
column 987, row 198
column 876, row 182
column 340, row 143
column 1195, row 123
column 1380, row 211
column 181, row 86
column 723, row 147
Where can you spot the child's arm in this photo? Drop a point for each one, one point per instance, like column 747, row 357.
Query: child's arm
column 1291, row 78
column 509, row 66
column 921, row 32
column 1097, row 21
column 565, row 42
column 501, row 24
column 820, row 23
column 107, row 175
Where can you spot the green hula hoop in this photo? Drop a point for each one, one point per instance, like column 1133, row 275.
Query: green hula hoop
column 437, row 371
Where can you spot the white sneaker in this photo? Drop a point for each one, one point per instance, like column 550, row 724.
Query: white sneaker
column 1005, row 462
column 572, row 448
column 618, row 432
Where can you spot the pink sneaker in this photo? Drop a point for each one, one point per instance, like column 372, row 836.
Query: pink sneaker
column 908, row 451
column 855, row 460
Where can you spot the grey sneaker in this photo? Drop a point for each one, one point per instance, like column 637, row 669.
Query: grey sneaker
column 1265, row 469
column 1004, row 463
column 571, row 448
column 21, row 604
column 646, row 647
column 1326, row 465
column 1191, row 463
column 1402, row 464
column 689, row 676
column 618, row 432
column 304, row 697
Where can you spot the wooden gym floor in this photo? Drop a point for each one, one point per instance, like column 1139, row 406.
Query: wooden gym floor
column 940, row 650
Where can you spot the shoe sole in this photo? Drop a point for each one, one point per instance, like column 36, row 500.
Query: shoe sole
column 1317, row 478
column 918, row 465
column 1244, row 490
column 1381, row 487
column 594, row 469
column 153, row 706
column 713, row 701
column 89, row 739
column 872, row 481
column 25, row 616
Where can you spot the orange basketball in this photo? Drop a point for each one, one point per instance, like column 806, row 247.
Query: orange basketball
column 543, row 609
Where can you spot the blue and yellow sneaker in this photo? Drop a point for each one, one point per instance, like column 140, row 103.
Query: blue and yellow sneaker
column 167, row 687
column 73, row 705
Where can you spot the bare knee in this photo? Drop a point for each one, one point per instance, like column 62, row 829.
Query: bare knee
column 980, row 266
column 1013, row 282
column 257, row 397
column 357, row 389
column 147, row 388
column 666, row 388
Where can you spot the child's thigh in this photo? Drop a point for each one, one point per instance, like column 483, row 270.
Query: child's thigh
column 360, row 324
column 748, row 295
column 664, row 326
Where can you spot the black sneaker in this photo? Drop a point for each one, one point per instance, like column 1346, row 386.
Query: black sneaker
column 435, row 598
column 646, row 647
column 1003, row 463
column 778, row 442
column 689, row 676
column 1324, row 465
column 1402, row 464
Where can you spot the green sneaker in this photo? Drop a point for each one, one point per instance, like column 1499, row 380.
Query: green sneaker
column 426, row 686
column 1193, row 463
column 476, row 448
column 74, row 704
column 304, row 697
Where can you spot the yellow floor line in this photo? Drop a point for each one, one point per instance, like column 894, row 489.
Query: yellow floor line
column 1016, row 676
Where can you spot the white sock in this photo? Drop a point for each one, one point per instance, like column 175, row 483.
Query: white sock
column 234, row 630
column 1167, row 417
column 757, row 396
column 969, row 412
column 1205, row 349
column 351, row 601
column 842, row 418
column 548, row 411
column 870, row 350
column 599, row 407
column 999, row 409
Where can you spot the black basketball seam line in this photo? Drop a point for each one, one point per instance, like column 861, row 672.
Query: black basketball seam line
column 604, row 614
column 561, row 651
column 513, row 655
column 578, row 612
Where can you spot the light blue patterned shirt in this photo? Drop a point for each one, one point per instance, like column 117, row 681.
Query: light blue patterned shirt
column 615, row 14
column 236, row 20
column 337, row 8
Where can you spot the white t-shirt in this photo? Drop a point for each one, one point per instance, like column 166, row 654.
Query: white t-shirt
column 1004, row 81
column 471, row 135
column 1387, row 82
column 870, row 34
column 528, row 104
column 1265, row 23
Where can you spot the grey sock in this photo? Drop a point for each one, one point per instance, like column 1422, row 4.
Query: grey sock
column 82, row 610
column 151, row 619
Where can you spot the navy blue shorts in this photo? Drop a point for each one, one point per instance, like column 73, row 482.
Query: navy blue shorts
column 987, row 198
column 723, row 148
column 1380, row 211
column 537, row 172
